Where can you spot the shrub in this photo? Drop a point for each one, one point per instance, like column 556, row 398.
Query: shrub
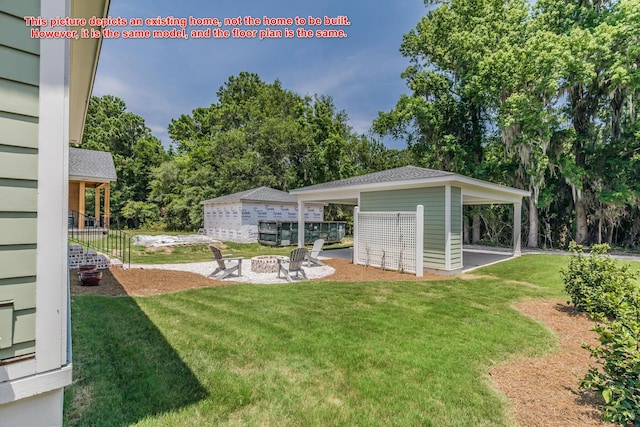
column 610, row 294
column 618, row 378
column 597, row 283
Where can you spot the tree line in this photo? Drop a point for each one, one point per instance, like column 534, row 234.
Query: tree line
column 540, row 96
column 256, row 134
column 537, row 95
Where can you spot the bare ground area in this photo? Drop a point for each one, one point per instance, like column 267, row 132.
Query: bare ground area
column 543, row 391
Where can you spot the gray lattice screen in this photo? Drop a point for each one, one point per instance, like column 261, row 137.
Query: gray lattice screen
column 387, row 240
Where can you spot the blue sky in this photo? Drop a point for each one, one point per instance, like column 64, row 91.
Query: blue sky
column 162, row 79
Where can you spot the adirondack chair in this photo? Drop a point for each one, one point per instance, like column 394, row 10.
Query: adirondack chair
column 312, row 257
column 296, row 259
column 224, row 263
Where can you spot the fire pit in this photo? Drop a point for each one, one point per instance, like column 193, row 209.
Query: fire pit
column 266, row 263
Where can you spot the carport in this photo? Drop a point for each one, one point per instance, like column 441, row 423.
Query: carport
column 410, row 218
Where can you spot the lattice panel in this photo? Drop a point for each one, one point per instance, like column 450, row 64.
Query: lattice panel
column 387, row 240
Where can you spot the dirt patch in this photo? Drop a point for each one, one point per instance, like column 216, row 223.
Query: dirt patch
column 544, row 390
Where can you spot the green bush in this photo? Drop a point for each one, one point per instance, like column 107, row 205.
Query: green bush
column 597, row 283
column 610, row 294
column 618, row 377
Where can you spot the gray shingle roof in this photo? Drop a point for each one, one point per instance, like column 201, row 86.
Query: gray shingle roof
column 405, row 173
column 260, row 194
column 91, row 164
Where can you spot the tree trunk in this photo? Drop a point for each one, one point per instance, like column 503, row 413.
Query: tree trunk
column 465, row 230
column 581, row 222
column 532, row 240
column 475, row 237
column 610, row 233
column 584, row 102
column 599, row 237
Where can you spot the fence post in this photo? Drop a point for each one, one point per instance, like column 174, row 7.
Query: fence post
column 419, row 240
column 356, row 211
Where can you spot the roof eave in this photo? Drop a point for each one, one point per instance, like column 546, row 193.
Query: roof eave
column 85, row 53
column 375, row 186
column 91, row 179
column 494, row 193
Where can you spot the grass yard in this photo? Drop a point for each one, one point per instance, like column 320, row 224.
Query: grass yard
column 197, row 253
column 311, row 353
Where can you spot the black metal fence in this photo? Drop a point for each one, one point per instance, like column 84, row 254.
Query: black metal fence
column 94, row 234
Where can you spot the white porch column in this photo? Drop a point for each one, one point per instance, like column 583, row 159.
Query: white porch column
column 517, row 225
column 420, row 240
column 356, row 211
column 300, row 223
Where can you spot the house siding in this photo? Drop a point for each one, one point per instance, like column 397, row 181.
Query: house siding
column 20, row 66
column 13, row 31
column 19, row 109
column 456, row 228
column 18, row 163
column 433, row 200
column 18, row 131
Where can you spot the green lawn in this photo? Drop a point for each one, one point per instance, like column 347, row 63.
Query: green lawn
column 197, row 253
column 308, row 354
column 194, row 253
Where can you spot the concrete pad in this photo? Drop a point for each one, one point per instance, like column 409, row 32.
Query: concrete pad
column 475, row 258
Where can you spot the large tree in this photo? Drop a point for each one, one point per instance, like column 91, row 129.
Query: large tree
column 555, row 80
column 109, row 127
column 448, row 119
column 259, row 133
column 600, row 84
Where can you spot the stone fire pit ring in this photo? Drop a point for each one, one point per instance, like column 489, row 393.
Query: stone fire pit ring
column 266, row 263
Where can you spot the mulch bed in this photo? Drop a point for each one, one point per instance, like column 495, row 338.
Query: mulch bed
column 145, row 282
column 542, row 391
column 139, row 282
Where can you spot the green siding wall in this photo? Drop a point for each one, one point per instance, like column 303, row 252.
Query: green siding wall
column 18, row 195
column 16, row 350
column 456, row 227
column 24, row 323
column 21, row 8
column 20, row 66
column 19, row 98
column 16, row 228
column 432, row 199
column 19, row 110
column 18, row 163
column 17, row 261
column 18, row 131
column 434, row 226
column 13, row 31
column 21, row 290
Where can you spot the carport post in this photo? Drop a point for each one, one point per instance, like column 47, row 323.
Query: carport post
column 517, row 225
column 419, row 240
column 300, row 223
column 356, row 211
